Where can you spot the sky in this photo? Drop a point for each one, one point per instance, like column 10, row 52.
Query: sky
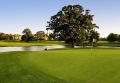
column 16, row 15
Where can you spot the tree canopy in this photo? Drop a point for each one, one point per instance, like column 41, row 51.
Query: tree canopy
column 40, row 35
column 112, row 37
column 27, row 35
column 73, row 24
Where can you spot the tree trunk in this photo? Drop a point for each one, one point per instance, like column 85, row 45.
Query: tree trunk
column 72, row 45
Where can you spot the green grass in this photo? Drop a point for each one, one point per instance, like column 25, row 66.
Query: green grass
column 104, row 43
column 42, row 43
column 61, row 66
column 54, row 43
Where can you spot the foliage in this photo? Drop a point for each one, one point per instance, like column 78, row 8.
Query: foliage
column 51, row 36
column 2, row 36
column 94, row 36
column 103, row 39
column 118, row 39
column 10, row 37
column 27, row 35
column 112, row 37
column 72, row 24
column 40, row 35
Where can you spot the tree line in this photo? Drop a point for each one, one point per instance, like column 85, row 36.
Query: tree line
column 4, row 36
column 112, row 37
column 27, row 36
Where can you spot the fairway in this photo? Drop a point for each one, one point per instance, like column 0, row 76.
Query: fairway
column 61, row 66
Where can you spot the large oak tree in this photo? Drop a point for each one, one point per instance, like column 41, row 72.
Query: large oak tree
column 73, row 25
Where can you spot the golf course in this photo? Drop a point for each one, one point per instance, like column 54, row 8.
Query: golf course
column 67, row 65
column 59, row 41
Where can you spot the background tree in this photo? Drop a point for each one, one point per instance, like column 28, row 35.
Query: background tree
column 72, row 24
column 118, row 38
column 27, row 35
column 103, row 39
column 40, row 35
column 112, row 37
column 2, row 36
column 8, row 37
column 94, row 36
column 51, row 37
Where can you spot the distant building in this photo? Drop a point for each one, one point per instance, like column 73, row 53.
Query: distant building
column 16, row 37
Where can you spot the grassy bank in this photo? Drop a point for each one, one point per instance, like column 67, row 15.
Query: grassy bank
column 42, row 43
column 61, row 66
column 104, row 43
column 53, row 43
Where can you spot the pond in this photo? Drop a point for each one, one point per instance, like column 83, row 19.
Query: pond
column 30, row 48
column 40, row 48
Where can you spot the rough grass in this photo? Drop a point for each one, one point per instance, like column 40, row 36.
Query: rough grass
column 54, row 43
column 61, row 66
column 103, row 43
column 42, row 43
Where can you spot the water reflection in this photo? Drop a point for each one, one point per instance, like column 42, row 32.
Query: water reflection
column 40, row 48
column 30, row 48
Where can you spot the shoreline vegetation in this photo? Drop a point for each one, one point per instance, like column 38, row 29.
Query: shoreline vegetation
column 39, row 43
column 53, row 43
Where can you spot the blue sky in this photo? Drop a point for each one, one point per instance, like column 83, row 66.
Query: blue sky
column 15, row 15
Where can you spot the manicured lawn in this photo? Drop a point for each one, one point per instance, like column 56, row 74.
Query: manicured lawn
column 42, row 43
column 61, row 66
